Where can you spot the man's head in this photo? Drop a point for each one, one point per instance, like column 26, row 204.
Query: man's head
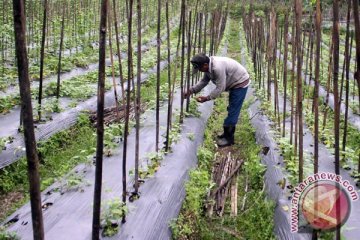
column 200, row 63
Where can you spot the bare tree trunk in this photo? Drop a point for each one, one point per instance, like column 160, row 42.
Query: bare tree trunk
column 113, row 71
column 188, row 62
column 357, row 40
column 60, row 52
column 276, row 90
column 158, row 77
column 26, row 106
column 293, row 54
column 100, row 122
column 127, row 112
column 317, row 83
column 335, row 38
column 347, row 64
column 286, row 27
column 182, row 61
column 298, row 10
column 119, row 52
column 42, row 53
column 328, row 83
column 169, row 79
column 138, row 98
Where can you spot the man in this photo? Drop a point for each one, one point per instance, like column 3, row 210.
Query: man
column 228, row 75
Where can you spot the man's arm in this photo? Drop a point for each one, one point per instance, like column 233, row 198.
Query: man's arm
column 220, row 79
column 200, row 85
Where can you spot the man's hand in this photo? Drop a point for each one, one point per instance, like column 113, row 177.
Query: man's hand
column 187, row 94
column 202, row 99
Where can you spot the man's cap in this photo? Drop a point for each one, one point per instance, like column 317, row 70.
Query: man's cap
column 198, row 60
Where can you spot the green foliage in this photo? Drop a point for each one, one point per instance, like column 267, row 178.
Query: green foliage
column 191, row 136
column 4, row 235
column 8, row 102
column 58, row 155
column 112, row 136
column 74, row 181
column 111, row 214
column 193, row 109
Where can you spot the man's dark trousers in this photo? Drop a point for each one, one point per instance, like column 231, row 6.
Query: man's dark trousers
column 236, row 100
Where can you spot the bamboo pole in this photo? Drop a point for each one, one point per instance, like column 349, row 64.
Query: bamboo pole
column 100, row 122
column 138, row 98
column 60, row 52
column 42, row 56
column 357, row 40
column 158, row 77
column 286, row 27
column 29, row 135
column 298, row 11
column 347, row 64
column 127, row 112
column 169, row 78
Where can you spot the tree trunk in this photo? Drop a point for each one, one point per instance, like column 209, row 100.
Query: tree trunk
column 347, row 64
column 138, row 98
column 26, row 106
column 128, row 91
column 158, row 77
column 100, row 123
column 42, row 55
column 298, row 6
column 286, row 27
column 60, row 52
column 357, row 40
column 169, row 79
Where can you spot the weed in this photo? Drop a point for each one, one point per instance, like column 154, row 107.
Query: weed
column 4, row 235
column 112, row 212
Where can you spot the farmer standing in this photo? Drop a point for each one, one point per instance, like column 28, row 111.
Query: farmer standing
column 228, row 75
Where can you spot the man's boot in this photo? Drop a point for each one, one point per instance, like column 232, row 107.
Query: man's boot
column 228, row 138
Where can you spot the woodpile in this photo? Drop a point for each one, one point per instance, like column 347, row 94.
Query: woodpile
column 224, row 175
column 112, row 116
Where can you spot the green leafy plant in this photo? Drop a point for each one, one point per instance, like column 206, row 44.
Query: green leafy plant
column 112, row 212
column 5, row 235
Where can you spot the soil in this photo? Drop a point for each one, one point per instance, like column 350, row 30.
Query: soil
column 7, row 202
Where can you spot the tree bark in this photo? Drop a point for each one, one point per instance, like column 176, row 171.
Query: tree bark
column 357, row 40
column 100, row 122
column 42, row 56
column 26, row 106
column 138, row 98
column 298, row 10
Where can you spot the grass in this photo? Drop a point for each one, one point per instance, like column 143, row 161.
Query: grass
column 58, row 155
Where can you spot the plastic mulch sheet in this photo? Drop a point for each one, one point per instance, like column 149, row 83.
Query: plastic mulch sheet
column 68, row 214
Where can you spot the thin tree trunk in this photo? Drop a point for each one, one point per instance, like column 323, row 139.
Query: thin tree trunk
column 26, row 106
column 60, row 52
column 128, row 91
column 335, row 38
column 182, row 61
column 42, row 55
column 357, row 40
column 188, row 62
column 100, row 123
column 298, row 6
column 293, row 54
column 286, row 27
column 119, row 53
column 169, row 79
column 113, row 71
column 328, row 83
column 158, row 77
column 347, row 64
column 138, row 98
